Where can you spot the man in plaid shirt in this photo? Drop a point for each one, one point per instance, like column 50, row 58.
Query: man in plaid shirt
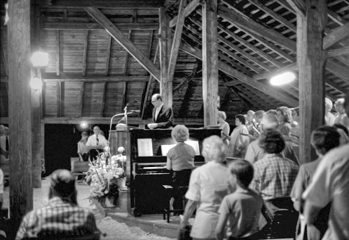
column 274, row 175
column 62, row 217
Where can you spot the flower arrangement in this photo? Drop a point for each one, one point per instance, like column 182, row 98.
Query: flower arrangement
column 106, row 177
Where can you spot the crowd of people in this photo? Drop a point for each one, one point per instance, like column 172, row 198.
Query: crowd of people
column 263, row 180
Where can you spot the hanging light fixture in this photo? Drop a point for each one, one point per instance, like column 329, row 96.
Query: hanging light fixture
column 84, row 125
column 36, row 82
column 282, row 79
column 39, row 59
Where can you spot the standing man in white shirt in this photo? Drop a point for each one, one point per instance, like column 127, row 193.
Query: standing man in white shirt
column 96, row 143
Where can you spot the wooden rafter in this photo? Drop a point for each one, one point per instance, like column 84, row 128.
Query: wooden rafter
column 187, row 11
column 174, row 52
column 338, row 52
column 4, row 57
column 84, row 58
column 298, row 6
column 336, row 35
column 250, row 46
column 91, row 78
column 123, row 41
column 97, row 26
column 129, row 4
column 107, row 61
column 242, row 77
column 279, row 39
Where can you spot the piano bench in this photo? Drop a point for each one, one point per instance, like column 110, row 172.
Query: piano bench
column 168, row 193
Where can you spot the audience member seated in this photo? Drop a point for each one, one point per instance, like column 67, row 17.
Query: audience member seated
column 180, row 159
column 242, row 208
column 342, row 116
column 284, row 115
column 62, row 217
column 274, row 174
column 255, row 152
column 344, row 132
column 323, row 140
column 329, row 117
column 221, row 117
column 207, row 188
column 330, row 186
column 239, row 138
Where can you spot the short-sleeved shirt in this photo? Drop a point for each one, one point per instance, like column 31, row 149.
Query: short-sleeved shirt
column 239, row 141
column 208, row 186
column 181, row 156
column 274, row 176
column 94, row 140
column 82, row 149
column 255, row 152
column 330, row 184
column 58, row 218
column 243, row 208
column 329, row 119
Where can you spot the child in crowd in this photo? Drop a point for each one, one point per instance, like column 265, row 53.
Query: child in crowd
column 242, row 208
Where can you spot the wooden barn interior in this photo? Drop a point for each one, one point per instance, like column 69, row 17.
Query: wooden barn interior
column 108, row 54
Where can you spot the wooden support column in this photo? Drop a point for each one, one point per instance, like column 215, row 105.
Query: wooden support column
column 210, row 61
column 19, row 49
column 164, row 52
column 311, row 60
column 36, row 100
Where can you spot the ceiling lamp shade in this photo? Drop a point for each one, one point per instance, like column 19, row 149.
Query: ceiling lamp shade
column 282, row 79
column 39, row 59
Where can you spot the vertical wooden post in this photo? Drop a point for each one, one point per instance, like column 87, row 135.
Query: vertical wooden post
column 19, row 46
column 210, row 61
column 164, row 52
column 36, row 104
column 311, row 59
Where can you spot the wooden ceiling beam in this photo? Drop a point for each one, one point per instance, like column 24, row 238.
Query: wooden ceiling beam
column 335, row 36
column 91, row 78
column 176, row 41
column 274, row 15
column 97, row 26
column 337, row 69
column 82, row 92
column 58, row 53
column 123, row 41
column 242, row 77
column 4, row 57
column 298, row 6
column 105, row 84
column 110, row 4
column 338, row 52
column 250, row 46
column 236, row 17
column 187, row 11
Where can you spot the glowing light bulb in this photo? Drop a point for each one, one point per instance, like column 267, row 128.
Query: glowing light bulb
column 282, row 79
column 39, row 59
column 83, row 124
column 36, row 83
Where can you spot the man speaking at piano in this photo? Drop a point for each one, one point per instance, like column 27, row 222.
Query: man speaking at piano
column 162, row 115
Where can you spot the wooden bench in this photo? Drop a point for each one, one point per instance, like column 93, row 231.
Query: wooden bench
column 78, row 168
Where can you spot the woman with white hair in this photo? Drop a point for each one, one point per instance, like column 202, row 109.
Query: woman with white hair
column 329, row 117
column 342, row 117
column 180, row 159
column 221, row 117
column 208, row 186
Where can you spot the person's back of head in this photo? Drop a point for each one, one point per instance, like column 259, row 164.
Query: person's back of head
column 62, row 185
column 243, row 171
column 213, row 149
column 270, row 121
column 259, row 115
column 343, row 132
column 272, row 112
column 271, row 141
column 222, row 115
column 180, row 133
column 325, row 138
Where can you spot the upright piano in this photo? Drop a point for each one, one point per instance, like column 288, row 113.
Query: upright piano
column 148, row 161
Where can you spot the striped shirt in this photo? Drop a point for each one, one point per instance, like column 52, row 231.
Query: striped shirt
column 274, row 176
column 60, row 219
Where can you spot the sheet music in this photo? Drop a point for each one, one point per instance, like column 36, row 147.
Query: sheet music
column 145, row 147
column 194, row 144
